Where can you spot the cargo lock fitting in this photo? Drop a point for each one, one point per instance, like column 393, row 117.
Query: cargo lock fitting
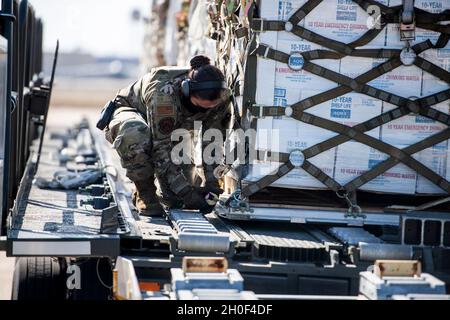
column 408, row 21
column 354, row 210
column 237, row 202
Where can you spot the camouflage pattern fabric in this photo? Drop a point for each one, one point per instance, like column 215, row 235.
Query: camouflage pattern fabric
column 141, row 129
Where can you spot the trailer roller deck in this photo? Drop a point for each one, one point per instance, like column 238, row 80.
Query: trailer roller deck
column 279, row 259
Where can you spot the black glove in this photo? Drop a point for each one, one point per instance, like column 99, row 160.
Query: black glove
column 195, row 200
column 213, row 187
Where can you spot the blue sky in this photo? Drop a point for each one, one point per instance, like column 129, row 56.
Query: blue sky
column 100, row 27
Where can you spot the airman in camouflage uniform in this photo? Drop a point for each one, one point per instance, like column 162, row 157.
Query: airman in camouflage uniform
column 147, row 112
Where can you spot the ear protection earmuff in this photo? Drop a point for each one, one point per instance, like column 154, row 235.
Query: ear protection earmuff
column 189, row 86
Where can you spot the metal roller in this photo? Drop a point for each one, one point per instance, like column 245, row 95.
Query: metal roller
column 376, row 251
column 195, row 233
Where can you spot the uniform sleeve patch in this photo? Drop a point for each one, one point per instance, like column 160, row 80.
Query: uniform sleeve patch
column 166, row 125
column 165, row 110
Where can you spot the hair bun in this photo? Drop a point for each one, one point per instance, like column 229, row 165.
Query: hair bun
column 200, row 61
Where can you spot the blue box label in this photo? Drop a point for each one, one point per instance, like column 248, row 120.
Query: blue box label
column 296, row 62
column 280, row 93
column 341, row 114
column 374, row 162
column 346, row 16
column 422, row 119
column 280, row 102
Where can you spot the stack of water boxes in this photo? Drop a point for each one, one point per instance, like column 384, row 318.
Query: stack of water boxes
column 345, row 21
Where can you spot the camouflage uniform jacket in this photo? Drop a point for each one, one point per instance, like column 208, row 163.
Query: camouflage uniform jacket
column 157, row 98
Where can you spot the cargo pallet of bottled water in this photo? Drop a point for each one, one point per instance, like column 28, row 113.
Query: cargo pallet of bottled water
column 281, row 85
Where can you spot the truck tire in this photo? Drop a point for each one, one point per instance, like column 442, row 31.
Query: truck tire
column 38, row 278
column 96, row 280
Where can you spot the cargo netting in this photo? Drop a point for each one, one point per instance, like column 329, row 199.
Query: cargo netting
column 238, row 26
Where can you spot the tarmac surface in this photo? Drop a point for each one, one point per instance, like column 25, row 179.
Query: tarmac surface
column 6, row 274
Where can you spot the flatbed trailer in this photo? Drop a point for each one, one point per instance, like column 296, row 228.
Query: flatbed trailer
column 63, row 228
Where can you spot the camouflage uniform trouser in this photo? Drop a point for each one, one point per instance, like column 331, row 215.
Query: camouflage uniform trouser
column 130, row 135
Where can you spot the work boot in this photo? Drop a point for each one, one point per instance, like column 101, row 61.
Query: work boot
column 145, row 199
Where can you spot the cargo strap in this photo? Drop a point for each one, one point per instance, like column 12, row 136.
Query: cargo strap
column 392, row 151
column 405, row 106
column 424, row 20
column 391, row 162
column 393, row 13
column 398, row 156
column 250, row 78
column 421, row 106
column 348, row 84
column 380, row 120
column 268, row 180
column 340, row 47
column 306, row 9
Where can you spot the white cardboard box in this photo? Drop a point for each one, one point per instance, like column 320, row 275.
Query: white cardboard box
column 283, row 86
column 441, row 58
column 393, row 30
column 293, row 135
column 405, row 81
column 354, row 159
column 411, row 129
column 350, row 109
column 280, row 10
column 435, row 158
column 341, row 20
column 344, row 21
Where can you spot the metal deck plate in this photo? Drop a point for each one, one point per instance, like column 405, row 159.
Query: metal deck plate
column 157, row 229
column 43, row 217
column 304, row 215
column 304, row 244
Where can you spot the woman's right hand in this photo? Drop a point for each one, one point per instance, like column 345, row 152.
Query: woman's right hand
column 195, row 200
